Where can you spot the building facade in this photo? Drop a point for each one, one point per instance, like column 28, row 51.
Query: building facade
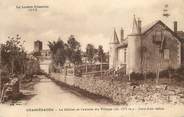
column 147, row 48
column 43, row 55
column 38, row 46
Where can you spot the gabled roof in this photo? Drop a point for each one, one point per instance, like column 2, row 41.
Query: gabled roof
column 147, row 28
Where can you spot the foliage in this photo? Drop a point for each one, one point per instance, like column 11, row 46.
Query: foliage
column 73, row 43
column 53, row 46
column 13, row 54
column 150, row 75
column 180, row 73
column 76, row 57
column 101, row 54
column 58, row 51
column 167, row 73
column 73, row 50
column 31, row 67
column 62, row 51
column 180, row 70
column 136, row 76
column 90, row 52
column 37, row 54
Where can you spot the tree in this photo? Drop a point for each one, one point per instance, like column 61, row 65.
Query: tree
column 52, row 46
column 101, row 54
column 90, row 52
column 59, row 57
column 58, row 52
column 36, row 54
column 13, row 54
column 76, row 57
column 73, row 43
column 73, row 51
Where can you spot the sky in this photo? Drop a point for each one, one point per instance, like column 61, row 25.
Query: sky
column 90, row 21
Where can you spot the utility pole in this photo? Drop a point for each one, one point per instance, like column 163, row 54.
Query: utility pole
column 165, row 15
column 165, row 11
column 86, row 65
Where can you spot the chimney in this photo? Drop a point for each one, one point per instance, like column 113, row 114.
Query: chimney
column 122, row 35
column 139, row 26
column 175, row 26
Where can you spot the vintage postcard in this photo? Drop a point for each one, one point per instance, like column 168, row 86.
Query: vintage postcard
column 95, row 58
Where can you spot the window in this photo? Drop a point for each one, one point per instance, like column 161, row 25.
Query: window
column 166, row 54
column 157, row 37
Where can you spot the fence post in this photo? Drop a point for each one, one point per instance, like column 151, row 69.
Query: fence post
column 101, row 66
column 86, row 67
column 65, row 73
column 75, row 66
column 0, row 70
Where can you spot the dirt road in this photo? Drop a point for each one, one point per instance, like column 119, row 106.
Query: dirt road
column 49, row 93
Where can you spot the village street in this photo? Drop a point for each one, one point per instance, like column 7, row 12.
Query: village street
column 48, row 93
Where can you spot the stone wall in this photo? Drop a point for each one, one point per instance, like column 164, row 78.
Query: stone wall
column 125, row 92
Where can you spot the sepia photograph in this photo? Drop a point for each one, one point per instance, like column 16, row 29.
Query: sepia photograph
column 78, row 58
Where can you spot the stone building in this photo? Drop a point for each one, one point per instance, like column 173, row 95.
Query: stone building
column 38, row 46
column 43, row 55
column 147, row 49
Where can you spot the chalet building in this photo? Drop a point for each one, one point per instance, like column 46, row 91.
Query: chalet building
column 148, row 48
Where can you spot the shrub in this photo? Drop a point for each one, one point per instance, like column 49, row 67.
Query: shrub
column 4, row 77
column 136, row 76
column 180, row 70
column 150, row 75
column 165, row 73
column 180, row 73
